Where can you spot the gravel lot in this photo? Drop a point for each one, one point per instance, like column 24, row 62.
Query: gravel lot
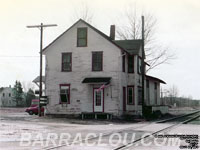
column 14, row 122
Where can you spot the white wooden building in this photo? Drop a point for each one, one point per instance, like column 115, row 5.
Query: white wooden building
column 6, row 97
column 90, row 72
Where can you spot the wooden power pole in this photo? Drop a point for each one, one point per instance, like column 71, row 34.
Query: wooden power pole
column 41, row 26
column 143, row 69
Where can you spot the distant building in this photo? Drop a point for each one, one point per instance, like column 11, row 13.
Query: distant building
column 6, row 97
column 90, row 72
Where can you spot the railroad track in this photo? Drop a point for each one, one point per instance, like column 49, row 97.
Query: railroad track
column 193, row 117
column 176, row 121
column 178, row 117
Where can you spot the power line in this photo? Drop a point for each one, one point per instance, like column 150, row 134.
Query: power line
column 7, row 56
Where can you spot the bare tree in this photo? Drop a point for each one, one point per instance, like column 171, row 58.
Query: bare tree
column 84, row 12
column 173, row 91
column 27, row 85
column 173, row 94
column 155, row 54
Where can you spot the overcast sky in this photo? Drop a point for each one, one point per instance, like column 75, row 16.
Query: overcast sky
column 178, row 27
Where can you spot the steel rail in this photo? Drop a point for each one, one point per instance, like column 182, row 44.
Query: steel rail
column 119, row 131
column 150, row 135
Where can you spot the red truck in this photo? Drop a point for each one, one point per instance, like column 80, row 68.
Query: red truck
column 33, row 109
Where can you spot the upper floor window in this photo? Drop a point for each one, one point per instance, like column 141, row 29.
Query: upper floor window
column 123, row 62
column 3, row 94
column 130, row 95
column 131, row 64
column 97, row 61
column 65, row 93
column 81, row 37
column 66, row 62
column 9, row 94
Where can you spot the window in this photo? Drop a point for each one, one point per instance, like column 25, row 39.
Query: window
column 9, row 94
column 66, row 62
column 98, row 98
column 139, row 95
column 35, row 102
column 131, row 64
column 123, row 62
column 65, row 93
column 155, row 93
column 155, row 86
column 139, row 66
column 3, row 94
column 130, row 95
column 81, row 37
column 147, row 92
column 97, row 61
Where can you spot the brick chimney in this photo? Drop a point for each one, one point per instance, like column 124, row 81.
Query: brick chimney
column 112, row 32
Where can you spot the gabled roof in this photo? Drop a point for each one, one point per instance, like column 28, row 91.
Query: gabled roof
column 128, row 46
column 37, row 79
column 4, row 88
column 1, row 89
column 95, row 29
column 131, row 46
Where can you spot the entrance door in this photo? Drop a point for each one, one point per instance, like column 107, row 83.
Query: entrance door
column 124, row 99
column 98, row 100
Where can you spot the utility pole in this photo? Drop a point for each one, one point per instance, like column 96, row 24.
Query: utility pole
column 41, row 26
column 143, row 69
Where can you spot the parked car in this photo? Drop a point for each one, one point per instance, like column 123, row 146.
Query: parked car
column 33, row 109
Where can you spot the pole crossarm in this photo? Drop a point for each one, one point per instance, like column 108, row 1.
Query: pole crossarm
column 41, row 26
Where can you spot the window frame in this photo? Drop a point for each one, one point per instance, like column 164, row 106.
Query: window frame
column 62, row 69
column 132, row 62
column 68, row 102
column 77, row 44
column 133, row 95
column 101, row 52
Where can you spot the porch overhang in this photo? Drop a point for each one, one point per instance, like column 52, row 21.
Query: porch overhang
column 96, row 80
column 37, row 80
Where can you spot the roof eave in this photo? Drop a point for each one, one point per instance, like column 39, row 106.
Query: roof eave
column 156, row 79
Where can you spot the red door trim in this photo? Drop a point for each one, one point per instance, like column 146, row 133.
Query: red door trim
column 124, row 98
column 93, row 99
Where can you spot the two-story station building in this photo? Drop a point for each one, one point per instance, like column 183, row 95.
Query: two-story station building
column 90, row 72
